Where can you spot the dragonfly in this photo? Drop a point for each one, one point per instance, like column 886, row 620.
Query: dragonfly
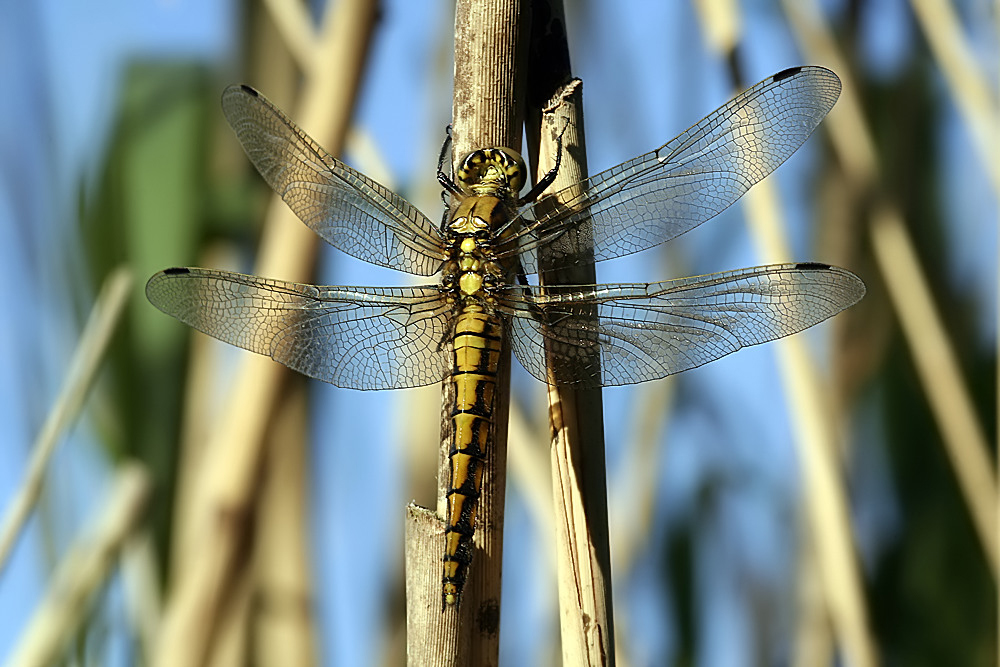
column 490, row 240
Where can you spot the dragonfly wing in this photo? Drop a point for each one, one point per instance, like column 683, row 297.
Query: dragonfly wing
column 605, row 335
column 667, row 192
column 349, row 210
column 357, row 337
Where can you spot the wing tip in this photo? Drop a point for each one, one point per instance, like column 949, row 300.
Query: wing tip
column 237, row 90
column 859, row 289
column 827, row 76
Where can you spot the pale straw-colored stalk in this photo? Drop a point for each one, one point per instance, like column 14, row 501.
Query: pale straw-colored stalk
column 906, row 280
column 226, row 487
column 576, row 425
column 83, row 571
column 965, row 77
column 818, row 432
column 83, row 368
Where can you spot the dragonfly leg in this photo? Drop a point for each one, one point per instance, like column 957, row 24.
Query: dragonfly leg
column 446, row 181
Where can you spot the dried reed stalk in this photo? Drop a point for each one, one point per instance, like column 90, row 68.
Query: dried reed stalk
column 576, row 416
column 225, row 491
column 84, row 569
column 818, row 431
column 489, row 57
column 79, row 378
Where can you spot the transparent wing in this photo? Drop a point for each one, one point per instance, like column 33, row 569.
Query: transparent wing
column 605, row 335
column 357, row 337
column 349, row 210
column 663, row 194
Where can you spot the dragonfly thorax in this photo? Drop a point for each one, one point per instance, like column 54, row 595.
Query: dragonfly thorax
column 485, row 178
column 471, row 270
column 499, row 172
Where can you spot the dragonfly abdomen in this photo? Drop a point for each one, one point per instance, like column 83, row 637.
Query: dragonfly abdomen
column 474, row 376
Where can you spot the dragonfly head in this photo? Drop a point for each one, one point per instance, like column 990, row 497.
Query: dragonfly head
column 499, row 172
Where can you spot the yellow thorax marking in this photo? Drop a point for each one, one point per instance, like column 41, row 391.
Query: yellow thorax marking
column 470, row 283
column 469, row 224
column 473, row 215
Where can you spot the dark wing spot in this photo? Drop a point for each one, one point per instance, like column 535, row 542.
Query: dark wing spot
column 248, row 90
column 812, row 266
column 785, row 73
column 176, row 271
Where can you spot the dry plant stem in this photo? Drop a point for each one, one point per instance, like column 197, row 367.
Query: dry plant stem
column 141, row 583
column 293, row 22
column 579, row 476
column 230, row 647
column 818, row 440
column 965, row 79
column 198, row 415
column 432, row 638
column 234, row 456
column 283, row 628
column 813, row 644
column 488, row 59
column 83, row 367
column 650, row 414
column 937, row 368
column 720, row 21
column 489, row 79
column 942, row 381
column 83, row 571
column 278, row 75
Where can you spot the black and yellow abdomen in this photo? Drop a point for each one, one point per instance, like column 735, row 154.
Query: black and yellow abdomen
column 474, row 376
column 488, row 180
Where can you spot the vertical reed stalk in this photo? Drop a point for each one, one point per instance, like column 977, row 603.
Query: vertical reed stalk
column 226, row 489
column 576, row 427
column 489, row 57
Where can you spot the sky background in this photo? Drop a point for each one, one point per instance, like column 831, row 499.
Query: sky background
column 647, row 75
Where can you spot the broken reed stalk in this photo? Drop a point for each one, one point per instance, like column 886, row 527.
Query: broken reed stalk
column 489, row 57
column 579, row 475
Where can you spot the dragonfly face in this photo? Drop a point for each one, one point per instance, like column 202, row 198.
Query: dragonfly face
column 497, row 172
column 584, row 335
